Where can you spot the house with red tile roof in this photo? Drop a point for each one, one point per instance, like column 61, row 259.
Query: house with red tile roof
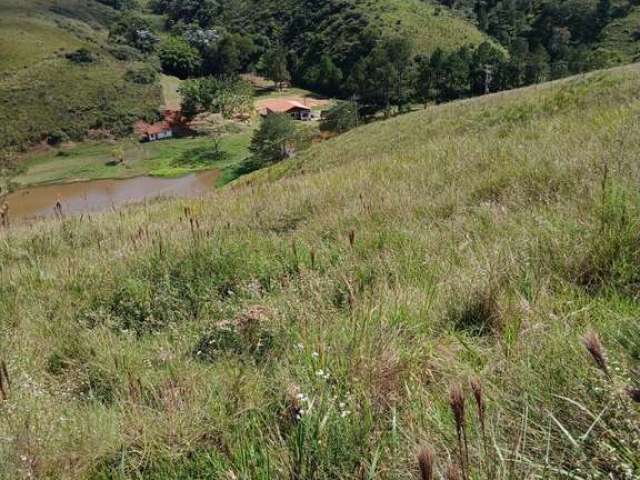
column 166, row 128
column 295, row 109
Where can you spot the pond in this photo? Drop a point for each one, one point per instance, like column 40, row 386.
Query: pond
column 32, row 203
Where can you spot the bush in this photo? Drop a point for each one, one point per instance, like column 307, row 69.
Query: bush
column 57, row 137
column 340, row 118
column 124, row 52
column 81, row 56
column 244, row 335
column 143, row 76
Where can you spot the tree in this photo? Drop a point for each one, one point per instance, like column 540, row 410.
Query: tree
column 455, row 81
column 325, row 77
column 340, row 118
column 179, row 58
column 486, row 62
column 132, row 29
column 537, row 69
column 384, row 76
column 235, row 98
column 229, row 96
column 229, row 55
column 424, row 88
column 399, row 52
column 275, row 140
column 274, row 66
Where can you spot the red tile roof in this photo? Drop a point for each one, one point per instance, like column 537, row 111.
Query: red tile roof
column 283, row 106
column 172, row 118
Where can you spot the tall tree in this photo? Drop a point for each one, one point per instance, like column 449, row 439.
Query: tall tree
column 275, row 67
column 179, row 58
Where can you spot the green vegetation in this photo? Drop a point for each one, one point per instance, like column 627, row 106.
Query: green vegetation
column 575, row 35
column 340, row 118
column 61, row 75
column 277, row 138
column 166, row 158
column 314, row 44
column 229, row 96
column 322, row 318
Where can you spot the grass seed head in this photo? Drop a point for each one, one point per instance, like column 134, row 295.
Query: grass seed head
column 592, row 343
column 476, row 388
column 453, row 473
column 456, row 401
column 425, row 462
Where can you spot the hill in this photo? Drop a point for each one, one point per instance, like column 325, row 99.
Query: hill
column 46, row 96
column 340, row 32
column 317, row 319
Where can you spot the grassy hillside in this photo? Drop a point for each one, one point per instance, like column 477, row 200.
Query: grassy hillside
column 311, row 321
column 42, row 92
column 621, row 36
column 430, row 26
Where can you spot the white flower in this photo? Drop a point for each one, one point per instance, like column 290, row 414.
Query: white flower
column 345, row 413
column 320, row 373
column 315, row 354
column 341, row 405
column 300, row 346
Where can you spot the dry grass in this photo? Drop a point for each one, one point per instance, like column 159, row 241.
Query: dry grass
column 100, row 315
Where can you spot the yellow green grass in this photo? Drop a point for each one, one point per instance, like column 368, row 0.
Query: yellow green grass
column 308, row 321
column 428, row 25
column 43, row 93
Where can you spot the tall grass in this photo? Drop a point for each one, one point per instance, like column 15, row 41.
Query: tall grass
column 305, row 322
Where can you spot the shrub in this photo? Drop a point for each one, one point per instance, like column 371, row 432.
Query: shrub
column 57, row 137
column 246, row 334
column 124, row 52
column 81, row 56
column 144, row 76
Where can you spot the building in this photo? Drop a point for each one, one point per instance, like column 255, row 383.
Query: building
column 166, row 128
column 293, row 108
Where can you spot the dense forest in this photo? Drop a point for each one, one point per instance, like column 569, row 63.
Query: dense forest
column 349, row 49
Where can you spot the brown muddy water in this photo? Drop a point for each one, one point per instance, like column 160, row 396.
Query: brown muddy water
column 33, row 203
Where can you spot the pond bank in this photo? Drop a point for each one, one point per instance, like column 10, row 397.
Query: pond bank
column 32, row 203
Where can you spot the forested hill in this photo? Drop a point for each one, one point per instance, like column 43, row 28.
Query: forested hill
column 574, row 35
column 339, row 32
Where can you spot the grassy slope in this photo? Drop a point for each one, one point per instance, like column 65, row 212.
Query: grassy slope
column 618, row 36
column 428, row 25
column 482, row 243
column 42, row 92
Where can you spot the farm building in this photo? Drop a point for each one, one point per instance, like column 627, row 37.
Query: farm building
column 166, row 128
column 293, row 108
